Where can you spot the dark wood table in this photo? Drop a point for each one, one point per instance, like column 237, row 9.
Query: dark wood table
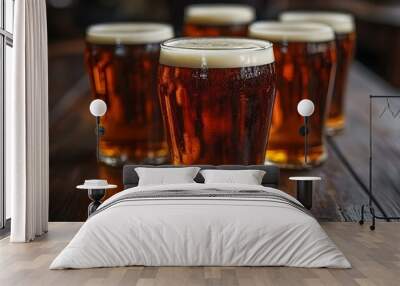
column 344, row 176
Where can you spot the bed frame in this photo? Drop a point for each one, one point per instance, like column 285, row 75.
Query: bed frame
column 270, row 179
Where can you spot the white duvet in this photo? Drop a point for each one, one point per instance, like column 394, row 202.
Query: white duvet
column 200, row 231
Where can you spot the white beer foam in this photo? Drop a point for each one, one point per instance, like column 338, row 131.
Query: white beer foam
column 291, row 31
column 129, row 33
column 216, row 52
column 340, row 22
column 219, row 14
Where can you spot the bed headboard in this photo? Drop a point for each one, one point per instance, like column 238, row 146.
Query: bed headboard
column 271, row 177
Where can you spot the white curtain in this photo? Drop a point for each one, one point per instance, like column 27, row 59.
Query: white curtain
column 27, row 151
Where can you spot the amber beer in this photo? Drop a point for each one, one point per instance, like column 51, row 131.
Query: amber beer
column 210, row 20
column 344, row 28
column 305, row 58
column 217, row 96
column 122, row 62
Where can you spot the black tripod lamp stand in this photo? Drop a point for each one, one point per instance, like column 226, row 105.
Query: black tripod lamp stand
column 98, row 108
column 371, row 199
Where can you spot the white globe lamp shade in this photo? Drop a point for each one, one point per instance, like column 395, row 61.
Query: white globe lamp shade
column 305, row 107
column 98, row 107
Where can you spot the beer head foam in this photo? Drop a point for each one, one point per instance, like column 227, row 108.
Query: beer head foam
column 340, row 22
column 216, row 52
column 291, row 31
column 219, row 14
column 128, row 33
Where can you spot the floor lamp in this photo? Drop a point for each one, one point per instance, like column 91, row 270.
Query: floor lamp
column 305, row 108
column 98, row 108
column 305, row 184
column 96, row 188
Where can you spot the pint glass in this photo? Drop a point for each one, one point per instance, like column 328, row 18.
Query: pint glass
column 217, row 96
column 217, row 20
column 122, row 62
column 344, row 28
column 305, row 58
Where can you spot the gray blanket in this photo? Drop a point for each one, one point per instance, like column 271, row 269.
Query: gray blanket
column 206, row 194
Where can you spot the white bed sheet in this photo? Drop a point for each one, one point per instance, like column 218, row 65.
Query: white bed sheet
column 200, row 232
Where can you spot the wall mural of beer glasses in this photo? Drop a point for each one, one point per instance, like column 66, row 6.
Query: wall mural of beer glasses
column 209, row 114
column 122, row 61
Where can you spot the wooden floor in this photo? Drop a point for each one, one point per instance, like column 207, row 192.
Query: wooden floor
column 375, row 257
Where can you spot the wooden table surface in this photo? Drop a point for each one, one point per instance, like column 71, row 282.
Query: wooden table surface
column 341, row 192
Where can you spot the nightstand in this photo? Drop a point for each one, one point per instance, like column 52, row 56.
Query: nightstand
column 96, row 191
column 305, row 186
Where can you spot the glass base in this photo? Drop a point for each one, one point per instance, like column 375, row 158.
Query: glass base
column 151, row 158
column 334, row 131
column 117, row 154
column 285, row 160
column 120, row 161
column 335, row 125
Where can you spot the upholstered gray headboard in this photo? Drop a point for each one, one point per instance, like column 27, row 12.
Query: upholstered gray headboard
column 271, row 177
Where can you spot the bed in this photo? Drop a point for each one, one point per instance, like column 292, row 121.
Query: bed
column 197, row 224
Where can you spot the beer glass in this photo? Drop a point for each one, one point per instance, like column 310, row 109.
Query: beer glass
column 344, row 28
column 217, row 96
column 305, row 56
column 208, row 20
column 122, row 61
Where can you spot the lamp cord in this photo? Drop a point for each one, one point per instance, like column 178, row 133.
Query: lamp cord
column 98, row 138
column 305, row 140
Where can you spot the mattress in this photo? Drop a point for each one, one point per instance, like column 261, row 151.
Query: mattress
column 201, row 225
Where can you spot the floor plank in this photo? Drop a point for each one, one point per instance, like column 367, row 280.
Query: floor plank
column 375, row 257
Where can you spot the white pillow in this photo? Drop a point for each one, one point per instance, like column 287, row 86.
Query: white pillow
column 165, row 176
column 248, row 177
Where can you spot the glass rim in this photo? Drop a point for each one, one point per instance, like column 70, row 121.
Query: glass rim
column 219, row 14
column 266, row 44
column 211, row 54
column 292, row 31
column 331, row 15
column 128, row 33
column 341, row 22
